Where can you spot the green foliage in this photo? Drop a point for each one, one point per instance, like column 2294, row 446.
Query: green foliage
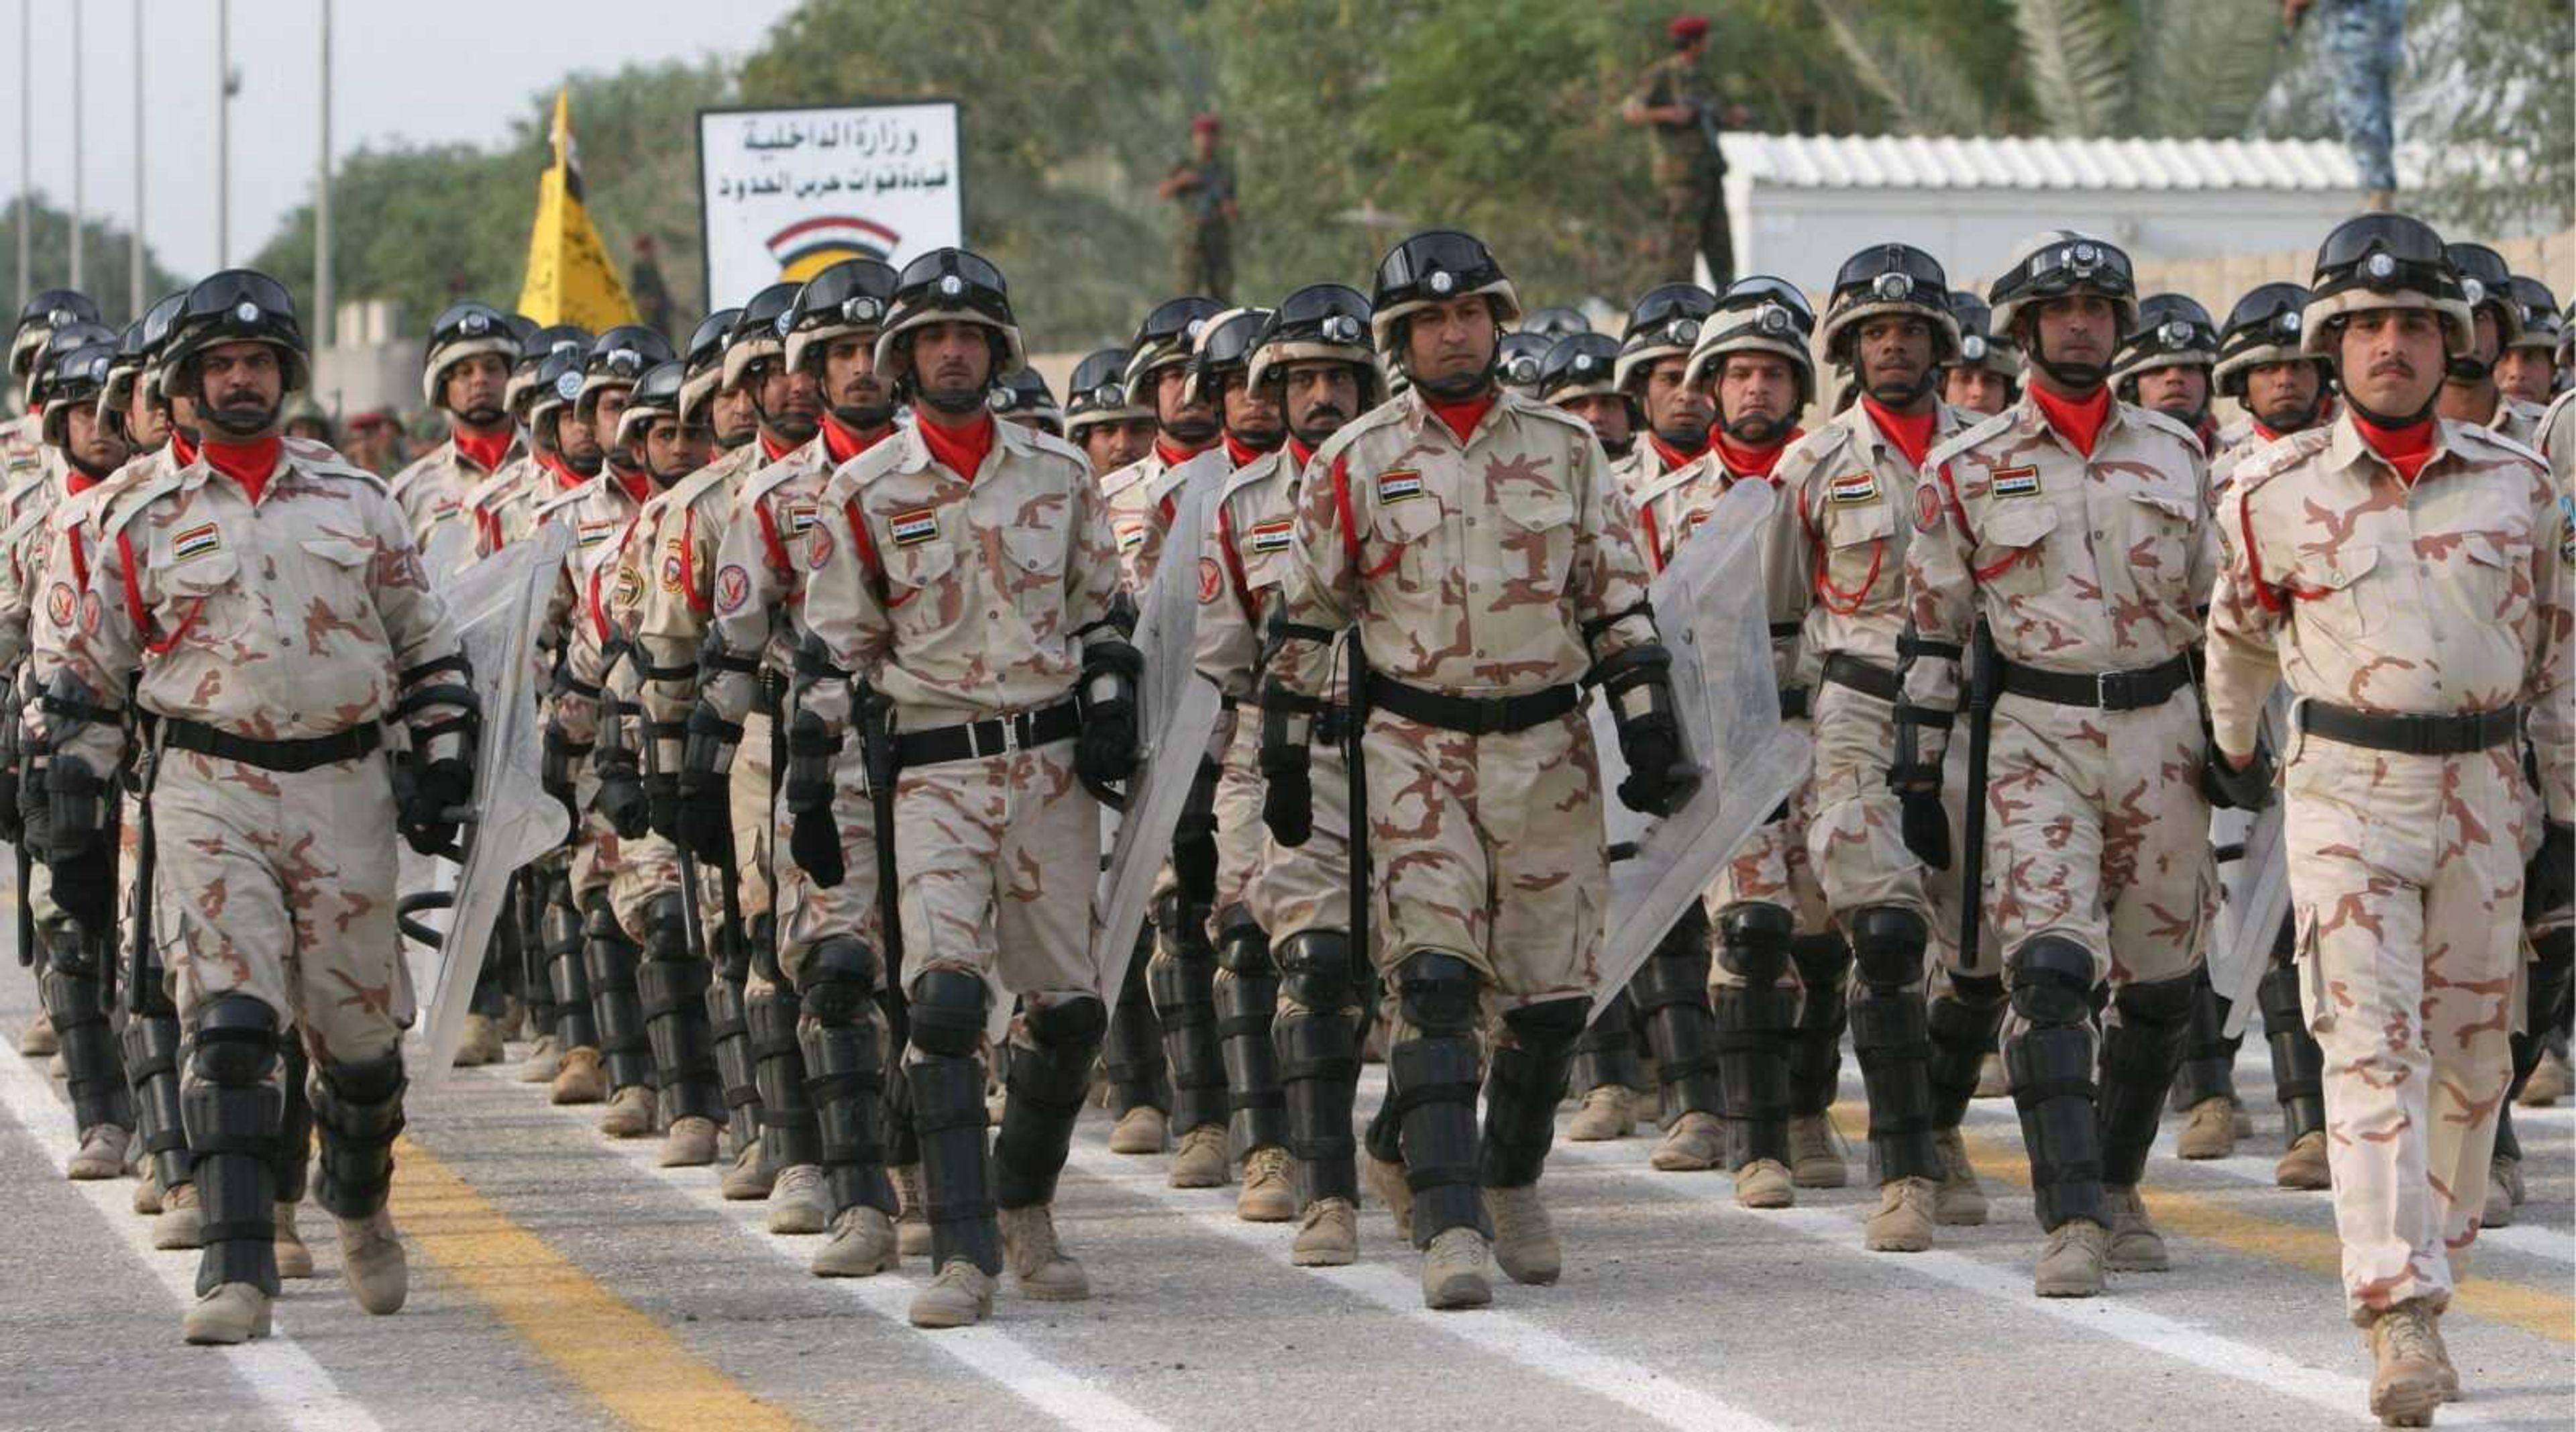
column 2500, row 137
column 104, row 259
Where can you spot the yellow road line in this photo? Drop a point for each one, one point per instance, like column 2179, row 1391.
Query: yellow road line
column 621, row 1357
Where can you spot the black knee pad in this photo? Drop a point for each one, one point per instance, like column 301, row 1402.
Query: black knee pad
column 1242, row 946
column 666, row 929
column 1753, row 941
column 1182, row 926
column 232, row 1109
column 1067, row 1023
column 1824, row 961
column 840, row 979
column 1676, row 971
column 1550, row 1024
column 358, row 1109
column 70, row 952
column 948, row 1013
column 2052, row 982
column 1437, row 993
column 2159, row 1003
column 1316, row 970
column 236, row 1042
column 598, row 921
column 1887, row 944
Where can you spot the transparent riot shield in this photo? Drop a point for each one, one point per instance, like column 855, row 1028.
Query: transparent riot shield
column 1709, row 610
column 2253, row 889
column 449, row 909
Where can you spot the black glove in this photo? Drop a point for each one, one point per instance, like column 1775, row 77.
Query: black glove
column 438, row 789
column 2549, row 882
column 32, row 810
column 85, row 887
column 620, row 799
column 1194, row 839
column 13, row 825
column 1925, row 826
column 555, row 771
column 1915, row 776
column 815, row 840
column 1659, row 781
column 2231, row 789
column 703, row 824
column 1111, row 745
column 77, row 853
column 662, row 806
column 1288, row 806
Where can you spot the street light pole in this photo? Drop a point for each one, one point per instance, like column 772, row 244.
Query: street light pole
column 324, row 317
column 223, row 133
column 26, row 127
column 134, row 240
column 79, row 196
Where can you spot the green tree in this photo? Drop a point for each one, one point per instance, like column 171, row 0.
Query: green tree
column 2494, row 113
column 104, row 257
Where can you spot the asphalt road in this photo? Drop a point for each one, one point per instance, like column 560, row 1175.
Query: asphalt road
column 561, row 1281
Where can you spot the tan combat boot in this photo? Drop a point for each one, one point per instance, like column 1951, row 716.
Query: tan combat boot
column 2136, row 1246
column 294, row 1260
column 1960, row 1201
column 2407, row 1383
column 2498, row 1210
column 1200, row 1161
column 961, row 1296
column 799, row 1202
column 1694, row 1144
column 101, row 1153
column 2548, row 1082
column 1386, row 1180
column 691, row 1143
column 1903, row 1222
column 1992, row 1081
column 232, row 1313
column 147, row 1191
column 1328, row 1236
column 1608, row 1112
column 581, row 1080
column 371, row 1258
column 2442, row 1352
column 40, row 1041
column 544, row 1061
column 912, row 1224
column 752, row 1175
column 2208, row 1131
column 1141, row 1130
column 862, row 1243
column 2071, row 1265
column 1457, row 1270
column 1815, row 1152
column 1765, row 1183
column 2304, row 1166
column 1038, row 1263
column 1268, row 1195
column 630, row 1113
column 481, row 1043
column 181, row 1223
column 1525, row 1245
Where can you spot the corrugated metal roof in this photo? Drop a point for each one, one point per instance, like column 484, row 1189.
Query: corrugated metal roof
column 1851, row 161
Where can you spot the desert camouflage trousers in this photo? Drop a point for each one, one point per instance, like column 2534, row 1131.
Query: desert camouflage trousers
column 2406, row 878
column 808, row 913
column 280, row 885
column 999, row 857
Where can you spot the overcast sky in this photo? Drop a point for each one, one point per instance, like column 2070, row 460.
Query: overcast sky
column 421, row 70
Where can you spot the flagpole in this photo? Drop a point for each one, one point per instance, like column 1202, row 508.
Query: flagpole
column 134, row 241
column 325, row 319
column 79, row 197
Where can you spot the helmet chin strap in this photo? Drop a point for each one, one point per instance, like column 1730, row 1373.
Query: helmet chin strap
column 1754, row 430
column 1690, row 439
column 1906, row 395
column 1458, row 387
column 1260, row 441
column 2392, row 421
column 860, row 420
column 952, row 402
column 2466, row 369
column 235, row 428
column 2083, row 377
column 2299, row 419
column 587, row 464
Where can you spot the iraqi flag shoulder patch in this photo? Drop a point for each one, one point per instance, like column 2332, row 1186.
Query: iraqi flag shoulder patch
column 1852, row 489
column 202, row 540
column 911, row 529
column 2013, row 482
column 1273, row 535
column 1401, row 484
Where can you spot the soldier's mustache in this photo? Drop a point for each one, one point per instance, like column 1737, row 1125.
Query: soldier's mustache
column 2394, row 367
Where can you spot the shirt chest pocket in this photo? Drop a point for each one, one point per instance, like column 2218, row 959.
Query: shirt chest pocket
column 1537, row 537
column 204, row 602
column 2489, row 573
column 2157, row 546
column 919, row 547
column 2012, row 546
column 1407, row 535
column 338, row 595
column 1860, row 551
column 1036, row 555
column 2345, row 589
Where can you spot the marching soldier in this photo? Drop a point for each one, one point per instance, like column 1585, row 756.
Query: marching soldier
column 2470, row 393
column 273, row 620
column 1518, row 359
column 1986, row 378
column 964, row 570
column 1203, row 185
column 1677, row 100
column 1158, row 372
column 1653, row 354
column 1313, row 356
column 2071, row 542
column 465, row 375
column 2408, row 576
column 1576, row 377
column 2527, row 369
column 590, row 398
column 1112, row 426
column 2165, row 363
column 503, row 507
column 22, row 439
column 1776, row 983
column 1024, row 398
column 823, row 1042
column 1849, row 493
column 1478, row 543
column 2284, row 390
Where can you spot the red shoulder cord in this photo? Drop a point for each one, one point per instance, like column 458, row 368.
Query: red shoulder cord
column 1835, row 599
column 1654, row 536
column 1234, row 564
column 1350, row 527
column 769, row 538
column 689, row 589
column 134, row 604
column 2254, row 557
column 867, row 549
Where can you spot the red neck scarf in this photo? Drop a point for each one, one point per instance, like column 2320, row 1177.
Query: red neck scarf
column 1298, row 450
column 1754, row 462
column 2078, row 420
column 1239, row 454
column 1911, row 432
column 1461, row 417
column 840, row 444
column 182, row 450
column 78, row 481
column 565, row 477
column 248, row 464
column 638, row 484
column 1672, row 457
column 1173, row 454
column 484, row 450
column 960, row 450
column 2263, row 433
column 772, row 451
column 2407, row 449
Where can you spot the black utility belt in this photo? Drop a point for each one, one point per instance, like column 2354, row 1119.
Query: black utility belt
column 2101, row 690
column 1473, row 715
column 1000, row 735
column 298, row 753
column 2459, row 735
column 1844, row 669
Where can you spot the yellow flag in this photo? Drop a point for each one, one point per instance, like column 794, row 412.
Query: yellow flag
column 570, row 279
